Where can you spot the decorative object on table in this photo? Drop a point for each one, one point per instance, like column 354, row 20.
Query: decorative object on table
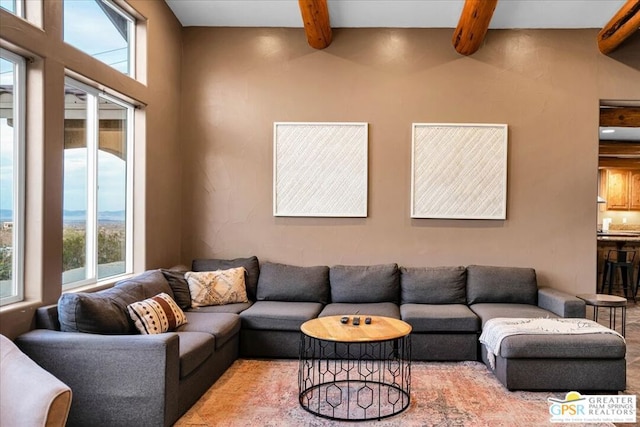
column 459, row 171
column 320, row 169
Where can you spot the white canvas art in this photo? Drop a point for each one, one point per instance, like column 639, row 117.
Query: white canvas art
column 459, row 171
column 320, row 169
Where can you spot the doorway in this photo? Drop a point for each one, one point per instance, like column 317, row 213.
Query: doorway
column 618, row 219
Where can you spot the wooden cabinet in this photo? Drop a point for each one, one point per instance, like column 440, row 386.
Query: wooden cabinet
column 623, row 189
column 634, row 190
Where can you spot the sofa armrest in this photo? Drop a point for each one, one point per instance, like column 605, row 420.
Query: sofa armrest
column 561, row 303
column 115, row 379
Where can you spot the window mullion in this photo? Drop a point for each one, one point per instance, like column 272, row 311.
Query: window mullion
column 19, row 174
column 92, row 187
column 129, row 183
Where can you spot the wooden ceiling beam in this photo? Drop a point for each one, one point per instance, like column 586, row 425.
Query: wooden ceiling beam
column 612, row 162
column 315, row 15
column 628, row 117
column 624, row 23
column 473, row 25
column 619, row 148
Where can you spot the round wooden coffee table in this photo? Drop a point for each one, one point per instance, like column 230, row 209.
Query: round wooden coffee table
column 355, row 372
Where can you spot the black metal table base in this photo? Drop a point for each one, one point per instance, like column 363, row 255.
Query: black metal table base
column 354, row 381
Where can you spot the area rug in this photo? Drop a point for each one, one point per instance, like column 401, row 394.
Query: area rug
column 264, row 393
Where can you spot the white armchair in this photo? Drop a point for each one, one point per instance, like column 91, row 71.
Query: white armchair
column 29, row 395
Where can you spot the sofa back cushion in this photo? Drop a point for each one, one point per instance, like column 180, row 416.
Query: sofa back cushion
column 433, row 285
column 250, row 264
column 365, row 284
column 515, row 285
column 105, row 312
column 179, row 286
column 281, row 282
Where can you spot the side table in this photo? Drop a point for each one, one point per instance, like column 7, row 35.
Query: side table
column 608, row 301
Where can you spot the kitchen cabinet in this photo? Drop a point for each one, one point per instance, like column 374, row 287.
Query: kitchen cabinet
column 623, row 189
column 634, row 190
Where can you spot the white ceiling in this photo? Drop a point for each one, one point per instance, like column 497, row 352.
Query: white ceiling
column 395, row 13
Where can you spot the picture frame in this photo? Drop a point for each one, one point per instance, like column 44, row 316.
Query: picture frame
column 320, row 169
column 459, row 171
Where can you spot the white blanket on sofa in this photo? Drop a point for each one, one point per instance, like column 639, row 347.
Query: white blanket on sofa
column 497, row 329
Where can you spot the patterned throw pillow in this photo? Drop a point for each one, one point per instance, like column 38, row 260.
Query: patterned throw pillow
column 157, row 314
column 217, row 287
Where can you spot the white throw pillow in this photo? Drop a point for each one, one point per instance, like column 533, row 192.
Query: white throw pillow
column 217, row 287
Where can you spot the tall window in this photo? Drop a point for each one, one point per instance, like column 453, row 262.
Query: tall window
column 12, row 115
column 102, row 30
column 98, row 135
column 13, row 6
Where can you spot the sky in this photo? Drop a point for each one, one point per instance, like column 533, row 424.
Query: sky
column 88, row 29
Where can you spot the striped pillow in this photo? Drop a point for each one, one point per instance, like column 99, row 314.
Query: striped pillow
column 157, row 314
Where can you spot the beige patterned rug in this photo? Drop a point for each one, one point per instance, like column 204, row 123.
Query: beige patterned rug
column 261, row 393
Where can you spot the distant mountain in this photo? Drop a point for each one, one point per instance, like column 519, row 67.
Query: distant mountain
column 68, row 215
column 73, row 215
column 112, row 216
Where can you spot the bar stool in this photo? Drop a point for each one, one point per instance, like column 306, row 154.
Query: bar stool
column 623, row 260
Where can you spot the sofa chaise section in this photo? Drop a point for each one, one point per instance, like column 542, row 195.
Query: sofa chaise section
column 554, row 361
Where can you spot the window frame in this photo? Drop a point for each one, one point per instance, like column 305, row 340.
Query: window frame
column 19, row 176
column 19, row 8
column 91, row 260
column 131, row 42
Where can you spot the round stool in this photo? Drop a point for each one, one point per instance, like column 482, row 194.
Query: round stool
column 610, row 301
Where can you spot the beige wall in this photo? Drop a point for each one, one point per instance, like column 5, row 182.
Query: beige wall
column 545, row 84
column 157, row 150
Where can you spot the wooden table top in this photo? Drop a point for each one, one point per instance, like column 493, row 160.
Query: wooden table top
column 603, row 300
column 331, row 329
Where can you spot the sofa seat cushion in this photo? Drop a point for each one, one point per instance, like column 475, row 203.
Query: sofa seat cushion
column 440, row 318
column 563, row 346
column 489, row 311
column 501, row 284
column 195, row 348
column 281, row 282
column 365, row 283
column 386, row 309
column 223, row 326
column 279, row 315
column 433, row 285
column 236, row 308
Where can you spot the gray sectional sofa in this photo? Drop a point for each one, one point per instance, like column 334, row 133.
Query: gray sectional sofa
column 120, row 377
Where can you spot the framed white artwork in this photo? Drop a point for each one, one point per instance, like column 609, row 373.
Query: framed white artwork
column 459, row 171
column 320, row 169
